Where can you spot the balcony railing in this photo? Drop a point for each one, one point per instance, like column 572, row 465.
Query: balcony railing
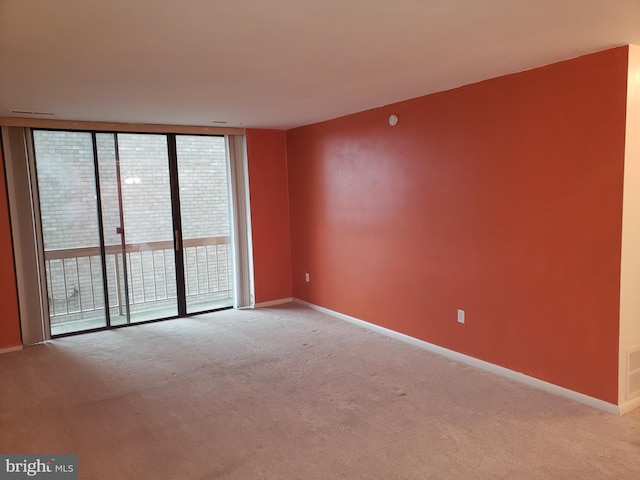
column 74, row 276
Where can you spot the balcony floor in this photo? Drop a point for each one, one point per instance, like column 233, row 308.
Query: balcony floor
column 148, row 314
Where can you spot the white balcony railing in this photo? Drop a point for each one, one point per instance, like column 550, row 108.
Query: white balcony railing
column 74, row 276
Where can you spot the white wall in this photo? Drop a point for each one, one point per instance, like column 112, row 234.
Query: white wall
column 630, row 271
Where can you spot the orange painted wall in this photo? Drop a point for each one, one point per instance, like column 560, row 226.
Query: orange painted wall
column 503, row 198
column 9, row 318
column 266, row 152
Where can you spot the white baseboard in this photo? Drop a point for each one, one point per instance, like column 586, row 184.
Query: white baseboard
column 273, row 303
column 466, row 359
column 626, row 407
column 10, row 349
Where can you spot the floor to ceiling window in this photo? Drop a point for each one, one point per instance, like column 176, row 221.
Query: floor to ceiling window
column 135, row 227
column 205, row 220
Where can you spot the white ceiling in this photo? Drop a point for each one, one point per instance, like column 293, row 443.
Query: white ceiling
column 278, row 63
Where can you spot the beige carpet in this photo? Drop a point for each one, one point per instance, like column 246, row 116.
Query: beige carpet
column 289, row 393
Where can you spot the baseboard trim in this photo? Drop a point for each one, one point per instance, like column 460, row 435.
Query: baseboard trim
column 10, row 349
column 626, row 407
column 273, row 303
column 474, row 362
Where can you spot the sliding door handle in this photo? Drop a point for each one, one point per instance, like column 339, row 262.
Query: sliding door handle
column 177, row 234
column 120, row 230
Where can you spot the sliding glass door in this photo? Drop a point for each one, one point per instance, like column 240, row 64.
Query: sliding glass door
column 137, row 217
column 135, row 226
column 204, row 211
column 71, row 232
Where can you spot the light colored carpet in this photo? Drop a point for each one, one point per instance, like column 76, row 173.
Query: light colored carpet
column 289, row 393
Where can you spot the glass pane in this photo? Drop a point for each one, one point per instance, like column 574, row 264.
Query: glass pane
column 69, row 214
column 148, row 227
column 204, row 209
column 105, row 144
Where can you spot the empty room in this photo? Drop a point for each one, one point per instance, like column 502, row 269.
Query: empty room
column 308, row 240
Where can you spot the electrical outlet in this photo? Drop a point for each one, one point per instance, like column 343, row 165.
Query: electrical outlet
column 460, row 316
column 306, row 277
